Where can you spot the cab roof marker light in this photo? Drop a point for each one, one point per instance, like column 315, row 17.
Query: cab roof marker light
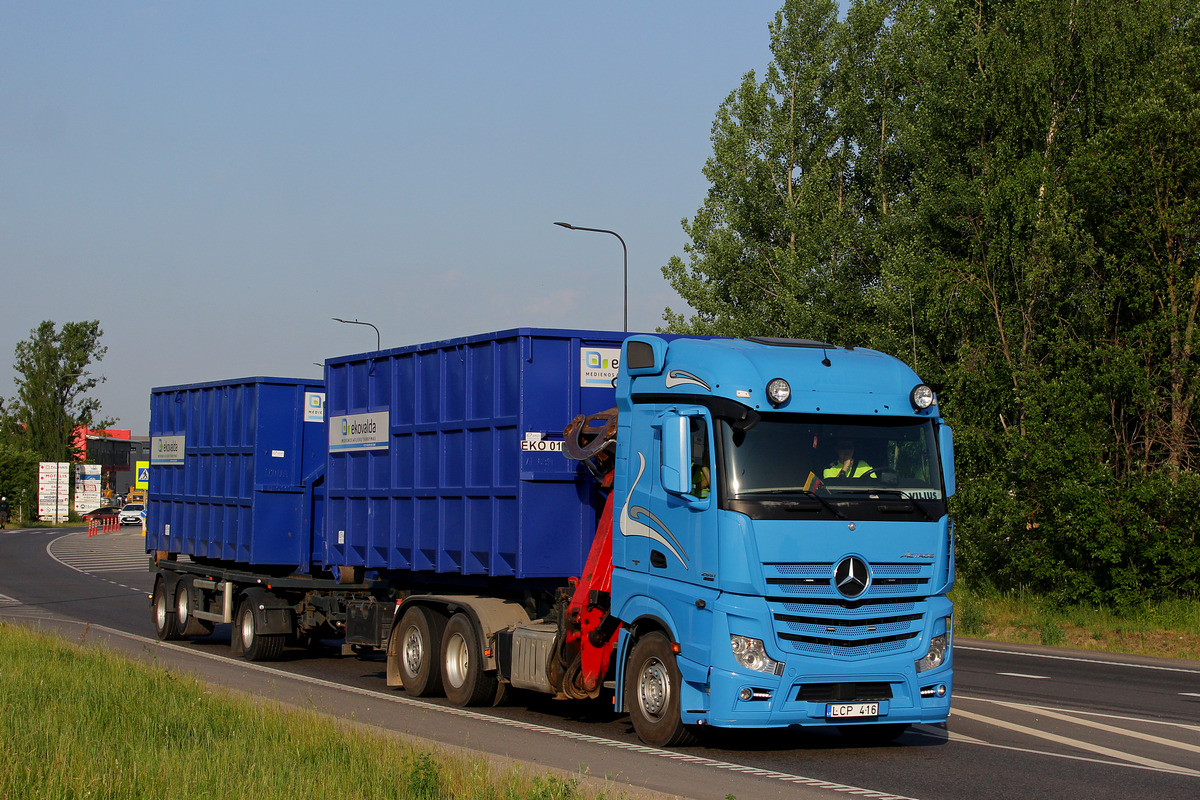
column 778, row 391
column 922, row 397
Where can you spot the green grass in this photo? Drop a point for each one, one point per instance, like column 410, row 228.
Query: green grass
column 83, row 722
column 1169, row 629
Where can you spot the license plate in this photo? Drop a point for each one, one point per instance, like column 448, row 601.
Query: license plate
column 851, row 710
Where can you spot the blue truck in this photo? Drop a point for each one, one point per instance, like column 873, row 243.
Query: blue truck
column 711, row 532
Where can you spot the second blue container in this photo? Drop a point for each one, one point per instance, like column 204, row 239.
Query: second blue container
column 446, row 457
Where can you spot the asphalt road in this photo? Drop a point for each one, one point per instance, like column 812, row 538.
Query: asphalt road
column 1026, row 723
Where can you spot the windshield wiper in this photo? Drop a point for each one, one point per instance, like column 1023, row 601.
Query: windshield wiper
column 795, row 493
column 899, row 493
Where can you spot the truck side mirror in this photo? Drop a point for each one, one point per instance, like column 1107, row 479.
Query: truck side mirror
column 676, row 453
column 946, row 446
column 644, row 355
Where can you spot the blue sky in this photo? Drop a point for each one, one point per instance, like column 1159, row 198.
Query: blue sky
column 214, row 181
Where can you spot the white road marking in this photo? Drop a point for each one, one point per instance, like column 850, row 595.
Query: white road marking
column 91, row 555
column 1079, row 744
column 1099, row 714
column 1078, row 659
column 1022, row 675
column 1100, row 726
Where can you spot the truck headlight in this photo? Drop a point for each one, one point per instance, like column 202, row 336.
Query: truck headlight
column 922, row 397
column 778, row 391
column 752, row 654
column 936, row 655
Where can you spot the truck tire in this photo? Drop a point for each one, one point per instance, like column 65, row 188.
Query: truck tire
column 166, row 626
column 184, row 606
column 463, row 677
column 418, row 645
column 652, row 691
column 255, row 646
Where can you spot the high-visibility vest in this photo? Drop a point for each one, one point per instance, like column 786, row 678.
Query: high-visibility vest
column 860, row 468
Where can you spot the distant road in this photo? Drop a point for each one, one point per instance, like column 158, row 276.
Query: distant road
column 1028, row 722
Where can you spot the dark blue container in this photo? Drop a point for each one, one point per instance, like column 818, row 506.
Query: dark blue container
column 446, row 457
column 232, row 468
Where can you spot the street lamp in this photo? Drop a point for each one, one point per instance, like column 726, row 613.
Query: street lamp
column 569, row 226
column 378, row 346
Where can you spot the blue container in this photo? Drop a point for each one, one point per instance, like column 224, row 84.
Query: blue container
column 232, row 468
column 446, row 457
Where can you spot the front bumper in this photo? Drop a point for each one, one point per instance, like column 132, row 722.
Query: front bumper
column 740, row 700
column 803, row 686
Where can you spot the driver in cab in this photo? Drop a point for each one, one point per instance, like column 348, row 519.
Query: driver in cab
column 846, row 465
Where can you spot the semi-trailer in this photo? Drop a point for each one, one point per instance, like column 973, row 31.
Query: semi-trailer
column 711, row 532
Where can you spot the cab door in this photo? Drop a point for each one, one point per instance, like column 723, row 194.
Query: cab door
column 666, row 509
column 682, row 563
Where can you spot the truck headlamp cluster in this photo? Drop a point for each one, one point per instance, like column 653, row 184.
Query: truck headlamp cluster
column 922, row 397
column 936, row 655
column 778, row 391
column 752, row 654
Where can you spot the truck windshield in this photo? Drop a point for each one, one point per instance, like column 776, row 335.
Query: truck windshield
column 793, row 466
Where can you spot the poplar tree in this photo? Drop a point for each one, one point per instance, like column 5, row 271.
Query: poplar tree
column 53, row 380
column 769, row 250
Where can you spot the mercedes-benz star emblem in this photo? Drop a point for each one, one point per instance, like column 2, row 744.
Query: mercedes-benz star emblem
column 851, row 577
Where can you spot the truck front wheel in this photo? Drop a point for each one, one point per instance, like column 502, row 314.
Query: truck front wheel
column 652, row 689
column 417, row 645
column 463, row 677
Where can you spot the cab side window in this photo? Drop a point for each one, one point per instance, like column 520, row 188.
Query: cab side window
column 701, row 474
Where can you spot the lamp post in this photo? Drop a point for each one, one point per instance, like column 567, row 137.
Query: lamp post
column 624, row 249
column 378, row 346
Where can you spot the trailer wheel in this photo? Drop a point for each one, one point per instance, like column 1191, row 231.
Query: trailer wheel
column 417, row 645
column 165, row 623
column 255, row 646
column 463, row 677
column 652, row 689
column 186, row 622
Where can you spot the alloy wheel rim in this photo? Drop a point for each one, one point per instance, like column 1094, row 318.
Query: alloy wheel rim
column 654, row 688
column 414, row 651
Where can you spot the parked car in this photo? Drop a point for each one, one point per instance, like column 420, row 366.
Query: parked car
column 101, row 514
column 131, row 514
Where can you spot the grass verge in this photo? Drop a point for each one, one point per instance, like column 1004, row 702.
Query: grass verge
column 1169, row 629
column 83, row 722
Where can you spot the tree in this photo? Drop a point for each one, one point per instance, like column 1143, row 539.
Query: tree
column 1003, row 194
column 52, row 385
column 769, row 250
column 1140, row 179
column 18, row 479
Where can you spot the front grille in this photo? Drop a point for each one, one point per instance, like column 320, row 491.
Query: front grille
column 859, row 627
column 812, row 618
column 861, row 647
column 843, row 692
